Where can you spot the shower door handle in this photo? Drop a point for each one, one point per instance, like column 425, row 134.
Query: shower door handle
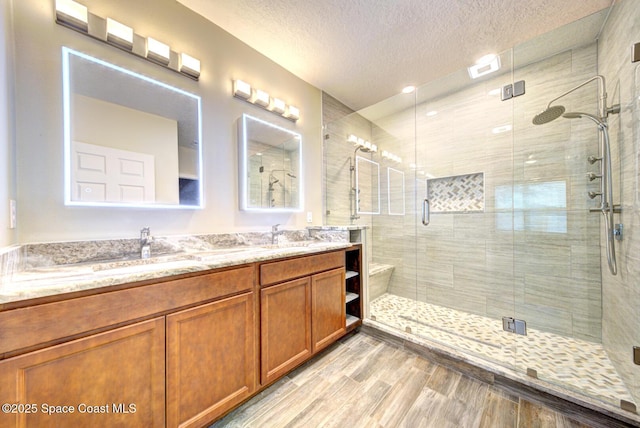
column 426, row 212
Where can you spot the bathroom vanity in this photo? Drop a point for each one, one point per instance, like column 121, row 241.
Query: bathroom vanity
column 176, row 350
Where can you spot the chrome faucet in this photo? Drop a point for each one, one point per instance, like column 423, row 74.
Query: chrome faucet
column 274, row 233
column 145, row 242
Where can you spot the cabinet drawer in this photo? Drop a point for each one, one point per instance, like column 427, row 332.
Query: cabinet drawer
column 275, row 272
column 31, row 327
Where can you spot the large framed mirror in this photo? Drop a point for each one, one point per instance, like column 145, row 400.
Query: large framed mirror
column 270, row 165
column 129, row 140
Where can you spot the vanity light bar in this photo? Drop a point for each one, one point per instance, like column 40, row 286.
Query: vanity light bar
column 292, row 113
column 119, row 34
column 76, row 16
column 72, row 14
column 361, row 142
column 277, row 106
column 189, row 65
column 391, row 156
column 158, row 51
column 241, row 89
column 260, row 98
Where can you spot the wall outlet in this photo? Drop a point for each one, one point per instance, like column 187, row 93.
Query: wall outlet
column 309, row 217
column 12, row 214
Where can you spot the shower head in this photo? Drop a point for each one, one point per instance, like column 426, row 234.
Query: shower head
column 363, row 149
column 549, row 114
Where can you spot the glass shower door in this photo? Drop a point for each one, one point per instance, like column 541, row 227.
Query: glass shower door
column 464, row 176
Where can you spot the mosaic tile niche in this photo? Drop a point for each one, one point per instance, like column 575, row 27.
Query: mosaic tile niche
column 457, row 194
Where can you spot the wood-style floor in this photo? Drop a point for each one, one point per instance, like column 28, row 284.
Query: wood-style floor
column 365, row 382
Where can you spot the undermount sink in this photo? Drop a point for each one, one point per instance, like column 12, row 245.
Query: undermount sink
column 221, row 252
column 145, row 267
column 151, row 263
column 294, row 244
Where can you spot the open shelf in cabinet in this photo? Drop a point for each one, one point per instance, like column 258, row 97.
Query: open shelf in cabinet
column 353, row 285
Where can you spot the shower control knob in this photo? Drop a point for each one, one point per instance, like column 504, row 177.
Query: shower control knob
column 592, row 159
column 594, row 194
column 592, row 176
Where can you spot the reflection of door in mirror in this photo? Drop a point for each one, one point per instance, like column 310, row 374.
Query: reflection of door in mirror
column 127, row 132
column 104, row 174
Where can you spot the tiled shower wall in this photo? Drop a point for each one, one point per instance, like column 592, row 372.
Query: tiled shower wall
column 533, row 252
column 338, row 156
column 621, row 293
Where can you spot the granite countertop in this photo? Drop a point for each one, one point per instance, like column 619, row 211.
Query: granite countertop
column 55, row 280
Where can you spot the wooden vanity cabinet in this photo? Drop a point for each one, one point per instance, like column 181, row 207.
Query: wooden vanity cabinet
column 178, row 352
column 301, row 315
column 211, row 360
column 285, row 327
column 328, row 315
column 116, row 378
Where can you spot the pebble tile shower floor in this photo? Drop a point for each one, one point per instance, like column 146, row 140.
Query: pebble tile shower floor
column 574, row 364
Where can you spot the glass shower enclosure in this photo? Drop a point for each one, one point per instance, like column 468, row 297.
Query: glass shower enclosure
column 481, row 233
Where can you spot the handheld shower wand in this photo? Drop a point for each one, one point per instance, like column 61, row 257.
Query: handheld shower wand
column 606, row 187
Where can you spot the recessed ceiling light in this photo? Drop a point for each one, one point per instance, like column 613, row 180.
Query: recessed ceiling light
column 408, row 89
column 432, row 113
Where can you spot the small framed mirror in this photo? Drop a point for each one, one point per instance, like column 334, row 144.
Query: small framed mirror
column 270, row 166
column 367, row 186
column 395, row 191
column 129, row 140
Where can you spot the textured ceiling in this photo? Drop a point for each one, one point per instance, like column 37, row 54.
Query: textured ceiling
column 364, row 51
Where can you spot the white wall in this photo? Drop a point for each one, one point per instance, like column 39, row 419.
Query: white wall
column 7, row 142
column 39, row 132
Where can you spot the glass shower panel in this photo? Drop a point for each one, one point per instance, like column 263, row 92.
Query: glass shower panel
column 392, row 271
column 465, row 254
column 557, row 243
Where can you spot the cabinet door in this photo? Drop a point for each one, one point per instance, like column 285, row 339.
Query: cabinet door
column 116, row 378
column 286, row 327
column 329, row 313
column 211, row 360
